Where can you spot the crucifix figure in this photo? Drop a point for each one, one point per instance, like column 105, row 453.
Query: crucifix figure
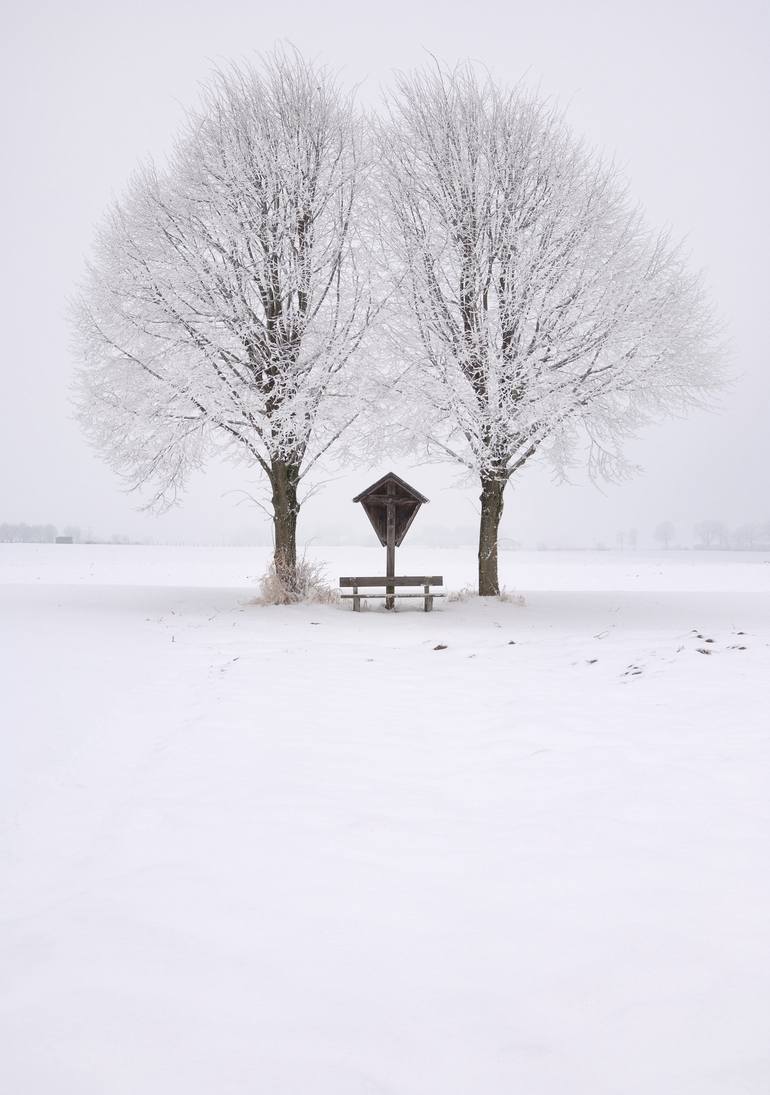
column 390, row 547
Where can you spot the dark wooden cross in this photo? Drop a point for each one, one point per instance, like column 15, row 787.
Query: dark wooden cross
column 391, row 505
column 389, row 500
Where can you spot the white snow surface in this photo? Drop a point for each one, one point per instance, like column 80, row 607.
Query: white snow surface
column 300, row 851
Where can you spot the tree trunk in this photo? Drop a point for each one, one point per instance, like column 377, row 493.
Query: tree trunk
column 284, row 479
column 491, row 512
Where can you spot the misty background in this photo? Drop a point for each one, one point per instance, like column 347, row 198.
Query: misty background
column 677, row 92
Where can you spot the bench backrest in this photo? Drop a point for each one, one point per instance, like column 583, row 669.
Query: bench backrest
column 397, row 580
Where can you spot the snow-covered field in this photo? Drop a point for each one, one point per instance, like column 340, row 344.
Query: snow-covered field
column 301, row 851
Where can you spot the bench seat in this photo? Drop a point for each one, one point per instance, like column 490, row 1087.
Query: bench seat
column 359, row 585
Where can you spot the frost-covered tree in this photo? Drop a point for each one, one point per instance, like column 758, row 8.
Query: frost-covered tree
column 746, row 536
column 224, row 305
column 711, row 534
column 536, row 306
column 664, row 533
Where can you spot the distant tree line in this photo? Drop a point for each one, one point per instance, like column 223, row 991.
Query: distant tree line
column 22, row 533
column 28, row 534
column 717, row 535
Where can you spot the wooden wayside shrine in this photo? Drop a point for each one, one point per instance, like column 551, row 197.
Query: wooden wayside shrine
column 391, row 505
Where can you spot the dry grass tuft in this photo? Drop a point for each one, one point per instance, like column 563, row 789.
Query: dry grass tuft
column 509, row 598
column 470, row 593
column 310, row 586
column 467, row 593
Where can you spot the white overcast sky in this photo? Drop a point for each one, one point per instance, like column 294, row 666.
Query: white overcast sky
column 678, row 92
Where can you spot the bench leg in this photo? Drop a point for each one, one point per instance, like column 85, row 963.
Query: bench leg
column 356, row 600
column 428, row 599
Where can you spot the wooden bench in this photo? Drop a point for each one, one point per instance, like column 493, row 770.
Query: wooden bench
column 390, row 585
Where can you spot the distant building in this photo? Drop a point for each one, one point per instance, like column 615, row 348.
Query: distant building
column 63, row 539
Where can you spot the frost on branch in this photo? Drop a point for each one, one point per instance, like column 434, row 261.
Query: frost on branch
column 225, row 304
column 534, row 306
